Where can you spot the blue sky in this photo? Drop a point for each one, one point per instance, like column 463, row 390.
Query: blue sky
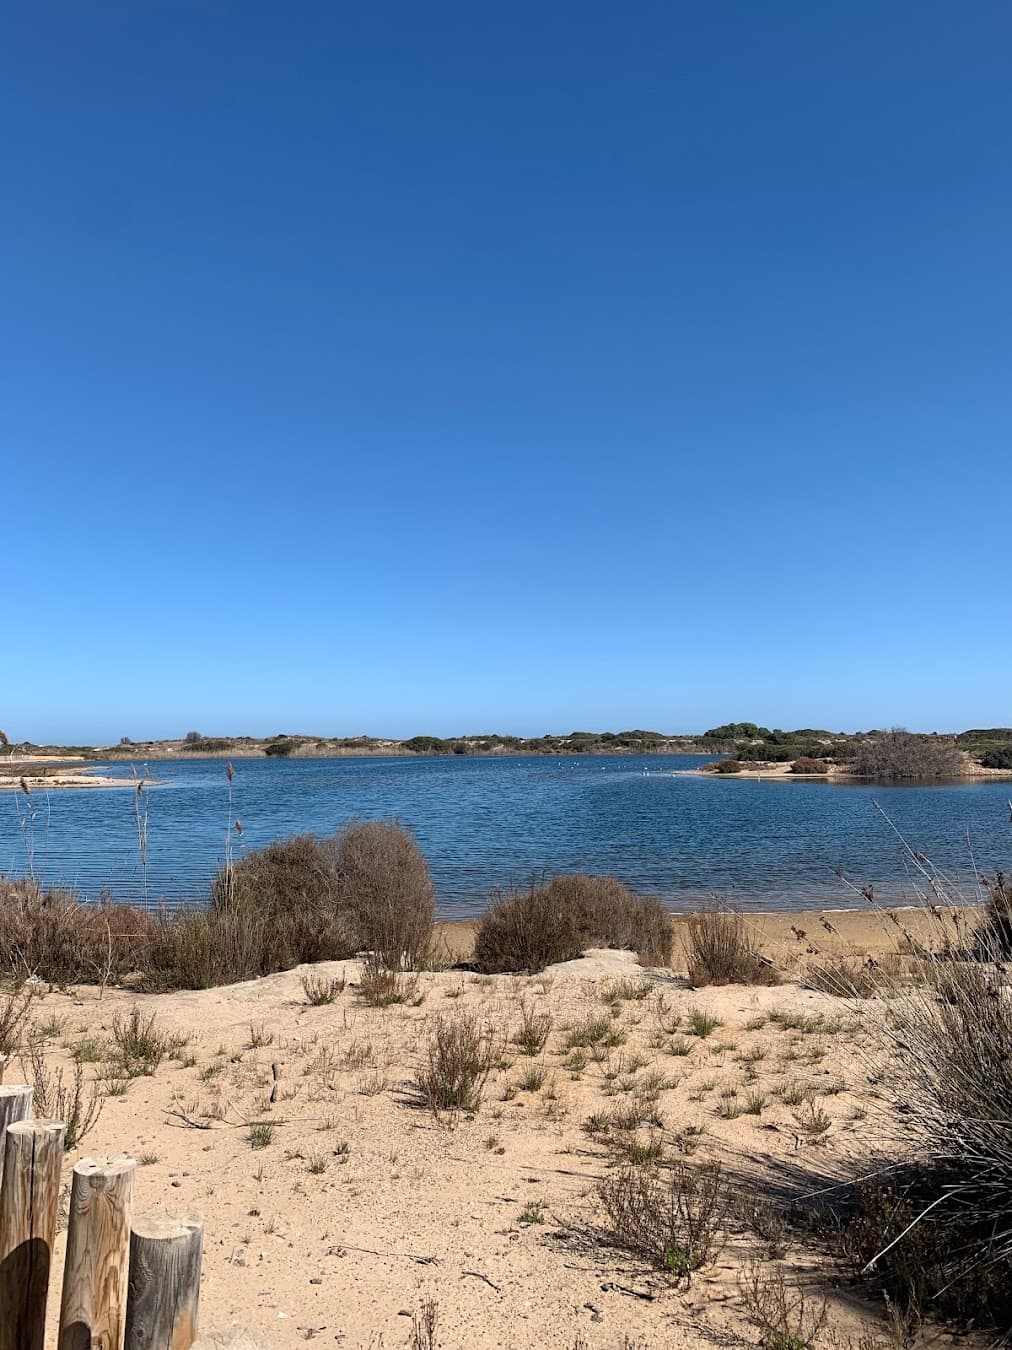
column 401, row 368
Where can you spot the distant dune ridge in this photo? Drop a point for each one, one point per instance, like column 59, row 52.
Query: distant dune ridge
column 876, row 753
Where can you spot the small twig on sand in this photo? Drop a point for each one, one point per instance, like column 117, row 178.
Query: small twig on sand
column 343, row 1247
column 646, row 1294
column 180, row 1113
column 484, row 1278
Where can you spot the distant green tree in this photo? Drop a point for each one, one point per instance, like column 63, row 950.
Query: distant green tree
column 427, row 745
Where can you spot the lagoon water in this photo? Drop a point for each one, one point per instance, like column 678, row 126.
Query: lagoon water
column 491, row 822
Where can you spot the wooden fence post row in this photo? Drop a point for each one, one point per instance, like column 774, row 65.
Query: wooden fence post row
column 128, row 1284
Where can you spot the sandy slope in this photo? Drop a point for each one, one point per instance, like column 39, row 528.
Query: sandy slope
column 363, row 1205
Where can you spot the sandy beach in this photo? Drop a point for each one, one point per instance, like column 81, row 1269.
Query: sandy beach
column 354, row 1205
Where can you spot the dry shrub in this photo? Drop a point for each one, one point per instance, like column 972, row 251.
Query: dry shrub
column 927, row 1267
column 676, row 1221
column 54, row 1100
column 525, row 930
column 200, row 949
column 938, row 1237
column 897, row 754
column 289, row 891
column 295, row 901
column 607, row 914
column 55, row 937
column 719, row 951
column 651, row 936
column 386, row 891
column 529, row 930
column 806, row 764
column 14, row 1008
column 726, row 766
column 461, row 1053
column 786, row 1315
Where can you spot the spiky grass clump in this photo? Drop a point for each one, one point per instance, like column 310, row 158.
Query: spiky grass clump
column 935, row 1230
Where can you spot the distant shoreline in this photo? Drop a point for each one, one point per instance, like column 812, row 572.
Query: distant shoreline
column 746, row 749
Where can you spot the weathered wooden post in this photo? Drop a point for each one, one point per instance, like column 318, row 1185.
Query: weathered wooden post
column 164, row 1287
column 93, row 1310
column 29, row 1200
column 15, row 1104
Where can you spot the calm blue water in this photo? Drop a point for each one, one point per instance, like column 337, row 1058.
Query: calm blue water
column 488, row 822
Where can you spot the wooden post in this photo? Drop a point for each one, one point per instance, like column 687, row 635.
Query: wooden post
column 93, row 1311
column 28, row 1206
column 15, row 1104
column 164, row 1293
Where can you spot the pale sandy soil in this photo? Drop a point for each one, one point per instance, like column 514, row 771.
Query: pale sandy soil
column 70, row 779
column 45, row 773
column 363, row 1205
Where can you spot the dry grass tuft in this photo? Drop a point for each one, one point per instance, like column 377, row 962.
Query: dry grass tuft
column 844, row 978
column 461, row 1053
column 381, row 987
column 321, row 989
column 719, row 951
column 534, row 1030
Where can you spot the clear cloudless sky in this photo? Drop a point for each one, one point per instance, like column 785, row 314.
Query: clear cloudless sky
column 401, row 367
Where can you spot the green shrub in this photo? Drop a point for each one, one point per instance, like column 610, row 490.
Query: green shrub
column 998, row 758
column 427, row 745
